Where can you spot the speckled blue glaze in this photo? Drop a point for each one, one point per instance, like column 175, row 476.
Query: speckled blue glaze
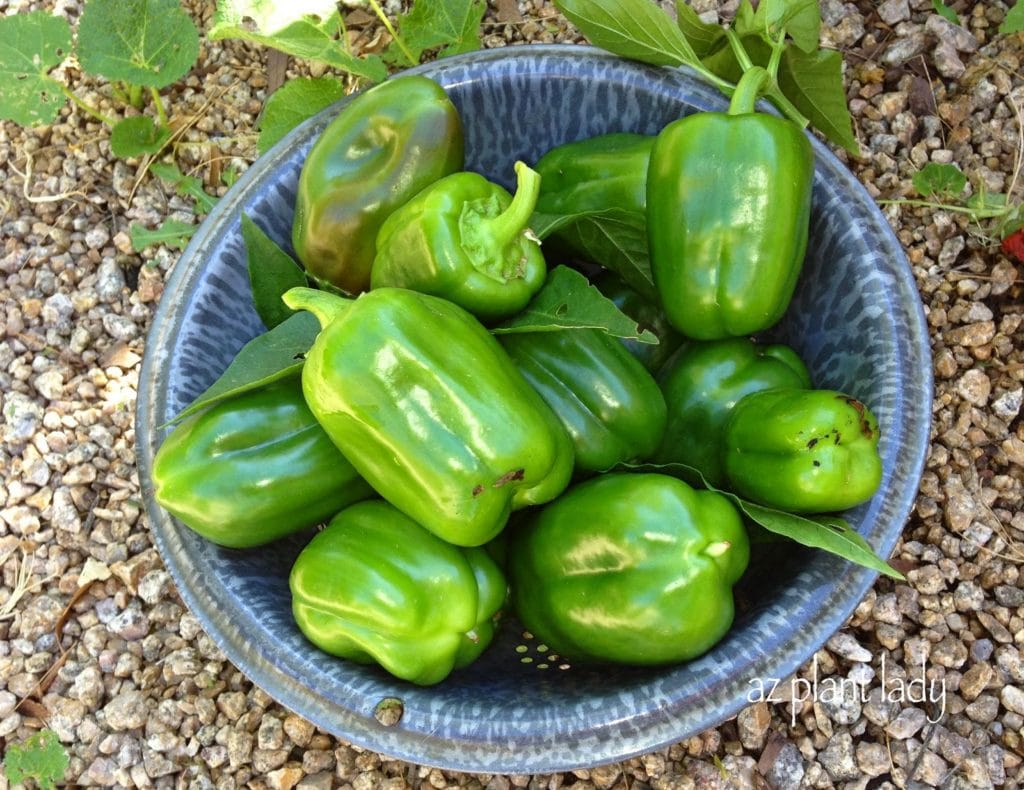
column 856, row 319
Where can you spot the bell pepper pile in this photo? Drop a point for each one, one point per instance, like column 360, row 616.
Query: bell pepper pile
column 462, row 473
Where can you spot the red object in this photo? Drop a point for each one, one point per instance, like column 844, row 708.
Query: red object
column 1013, row 245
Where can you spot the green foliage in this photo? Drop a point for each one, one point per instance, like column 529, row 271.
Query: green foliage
column 799, row 19
column 945, row 11
column 451, row 25
column 1014, row 20
column 186, row 186
column 936, row 179
column 828, row 533
column 138, row 136
column 272, row 272
column 703, row 36
column 174, row 233
column 592, row 230
column 294, row 102
column 307, row 29
column 31, row 45
column 814, row 83
column 781, row 35
column 272, row 356
column 568, row 301
column 635, row 29
column 151, row 43
column 40, row 757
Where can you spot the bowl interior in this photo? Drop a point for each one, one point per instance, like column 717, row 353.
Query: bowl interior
column 855, row 319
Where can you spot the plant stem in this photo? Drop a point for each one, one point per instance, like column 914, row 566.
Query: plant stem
column 772, row 91
column 135, row 96
column 160, row 111
column 975, row 213
column 786, row 107
column 723, row 85
column 778, row 47
column 85, row 107
column 738, row 49
column 748, row 89
column 390, row 28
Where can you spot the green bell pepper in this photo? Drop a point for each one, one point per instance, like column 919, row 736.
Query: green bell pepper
column 647, row 314
column 608, row 174
column 702, row 383
column 728, row 199
column 376, row 587
column 382, row 148
column 607, row 171
column 431, row 411
column 253, row 469
column 609, row 404
column 806, row 451
column 467, row 240
column 629, row 568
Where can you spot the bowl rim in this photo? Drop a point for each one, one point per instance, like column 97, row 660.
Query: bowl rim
column 427, row 747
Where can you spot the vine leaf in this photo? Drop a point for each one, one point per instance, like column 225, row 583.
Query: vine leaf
column 453, row 25
column 151, row 43
column 305, row 29
column 294, row 102
column 31, row 45
column 635, row 29
column 137, row 136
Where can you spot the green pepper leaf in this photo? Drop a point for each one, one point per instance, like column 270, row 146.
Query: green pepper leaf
column 172, row 232
column 306, row 29
column 273, row 356
column 703, row 36
column 1013, row 22
column 137, row 136
column 745, row 21
column 635, row 29
column 799, row 19
column 814, row 83
column 292, row 103
column 939, row 179
column 568, row 301
column 596, row 230
column 30, row 46
column 271, row 272
column 152, row 43
column 827, row 532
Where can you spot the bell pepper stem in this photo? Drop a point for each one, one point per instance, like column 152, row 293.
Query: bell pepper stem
column 324, row 306
column 748, row 89
column 505, row 227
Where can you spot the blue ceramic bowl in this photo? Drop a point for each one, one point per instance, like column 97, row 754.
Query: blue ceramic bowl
column 856, row 319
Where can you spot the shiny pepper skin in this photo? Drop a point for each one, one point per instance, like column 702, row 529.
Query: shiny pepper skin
column 431, row 411
column 629, row 568
column 805, row 451
column 728, row 213
column 376, row 587
column 253, row 469
column 467, row 240
column 382, row 148
column 704, row 381
column 606, row 173
column 609, row 404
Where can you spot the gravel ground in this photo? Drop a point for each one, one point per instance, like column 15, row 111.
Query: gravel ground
column 102, row 651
